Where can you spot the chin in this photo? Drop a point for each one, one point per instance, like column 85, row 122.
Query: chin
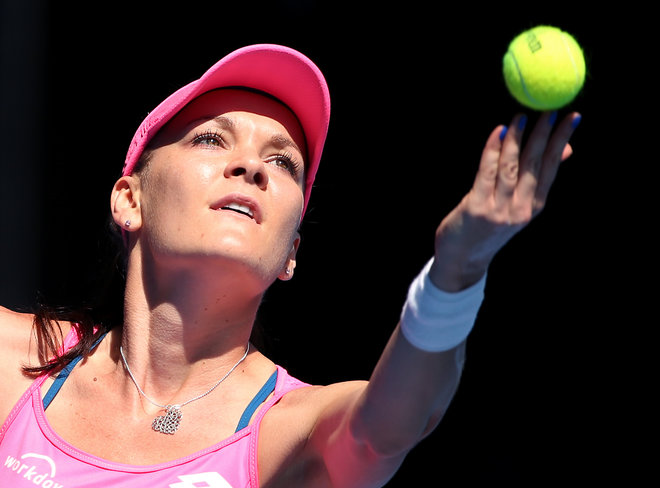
column 242, row 262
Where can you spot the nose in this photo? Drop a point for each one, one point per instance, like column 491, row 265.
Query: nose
column 249, row 167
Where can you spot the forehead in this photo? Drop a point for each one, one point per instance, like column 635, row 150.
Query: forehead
column 274, row 115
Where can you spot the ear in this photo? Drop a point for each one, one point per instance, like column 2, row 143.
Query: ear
column 290, row 264
column 125, row 203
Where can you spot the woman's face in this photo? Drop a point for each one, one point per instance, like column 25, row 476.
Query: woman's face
column 225, row 182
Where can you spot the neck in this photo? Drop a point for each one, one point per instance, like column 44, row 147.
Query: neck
column 182, row 328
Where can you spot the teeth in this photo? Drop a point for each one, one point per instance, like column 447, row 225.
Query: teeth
column 240, row 208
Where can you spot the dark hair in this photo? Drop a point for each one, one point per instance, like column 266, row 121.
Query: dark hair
column 103, row 310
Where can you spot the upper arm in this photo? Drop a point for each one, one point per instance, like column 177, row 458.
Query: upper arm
column 17, row 342
column 307, row 439
column 364, row 430
column 348, row 459
column 17, row 348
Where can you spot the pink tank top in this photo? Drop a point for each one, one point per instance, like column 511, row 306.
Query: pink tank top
column 33, row 455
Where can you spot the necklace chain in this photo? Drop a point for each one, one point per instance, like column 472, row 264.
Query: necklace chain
column 169, row 423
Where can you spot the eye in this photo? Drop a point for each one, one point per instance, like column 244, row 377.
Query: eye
column 208, row 138
column 287, row 162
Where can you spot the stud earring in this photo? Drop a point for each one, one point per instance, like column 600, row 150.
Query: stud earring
column 287, row 271
column 127, row 224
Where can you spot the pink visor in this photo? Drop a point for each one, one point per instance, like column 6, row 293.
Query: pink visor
column 276, row 70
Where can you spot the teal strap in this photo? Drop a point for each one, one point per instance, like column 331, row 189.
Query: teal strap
column 258, row 399
column 64, row 374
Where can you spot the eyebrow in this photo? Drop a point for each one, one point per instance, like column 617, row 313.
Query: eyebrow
column 222, row 121
column 227, row 123
column 281, row 142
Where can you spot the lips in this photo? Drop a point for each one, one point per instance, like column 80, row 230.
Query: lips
column 237, row 207
column 241, row 204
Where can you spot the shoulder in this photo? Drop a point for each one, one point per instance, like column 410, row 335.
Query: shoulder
column 319, row 399
column 18, row 348
column 16, row 337
column 19, row 338
column 312, row 400
column 285, row 456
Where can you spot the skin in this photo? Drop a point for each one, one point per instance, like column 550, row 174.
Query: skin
column 196, row 276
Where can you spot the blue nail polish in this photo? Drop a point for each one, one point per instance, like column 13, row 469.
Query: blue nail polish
column 505, row 129
column 553, row 118
column 522, row 122
column 576, row 121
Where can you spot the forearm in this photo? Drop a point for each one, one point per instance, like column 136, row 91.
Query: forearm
column 419, row 371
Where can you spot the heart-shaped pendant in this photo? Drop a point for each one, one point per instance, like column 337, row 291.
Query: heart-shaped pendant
column 168, row 423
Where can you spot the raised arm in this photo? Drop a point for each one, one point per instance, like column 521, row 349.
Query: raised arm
column 510, row 189
column 364, row 435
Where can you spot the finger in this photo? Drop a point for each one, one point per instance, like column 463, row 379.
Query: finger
column 531, row 160
column 508, row 167
column 484, row 183
column 558, row 150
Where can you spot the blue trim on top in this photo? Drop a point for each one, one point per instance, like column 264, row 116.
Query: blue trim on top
column 244, row 421
column 64, row 374
column 258, row 399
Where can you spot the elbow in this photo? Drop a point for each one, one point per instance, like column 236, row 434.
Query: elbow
column 391, row 440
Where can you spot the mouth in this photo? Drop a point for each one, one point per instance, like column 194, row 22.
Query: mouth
column 240, row 204
column 240, row 208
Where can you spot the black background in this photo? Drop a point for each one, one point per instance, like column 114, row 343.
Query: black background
column 416, row 89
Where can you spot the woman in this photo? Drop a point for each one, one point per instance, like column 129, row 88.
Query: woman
column 216, row 182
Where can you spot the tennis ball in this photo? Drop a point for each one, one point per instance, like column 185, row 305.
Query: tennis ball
column 544, row 68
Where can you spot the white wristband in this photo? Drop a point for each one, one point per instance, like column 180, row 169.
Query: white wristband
column 434, row 320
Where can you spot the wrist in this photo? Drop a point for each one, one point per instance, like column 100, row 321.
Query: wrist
column 435, row 320
column 454, row 278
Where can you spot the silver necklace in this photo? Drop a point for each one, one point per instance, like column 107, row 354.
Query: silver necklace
column 170, row 422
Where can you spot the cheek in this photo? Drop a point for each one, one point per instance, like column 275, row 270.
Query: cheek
column 289, row 235
column 207, row 173
column 290, row 194
column 166, row 197
column 172, row 183
column 283, row 230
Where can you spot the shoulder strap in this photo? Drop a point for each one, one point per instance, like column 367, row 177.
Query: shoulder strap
column 64, row 374
column 258, row 399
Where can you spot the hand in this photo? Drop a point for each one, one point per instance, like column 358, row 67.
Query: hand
column 510, row 189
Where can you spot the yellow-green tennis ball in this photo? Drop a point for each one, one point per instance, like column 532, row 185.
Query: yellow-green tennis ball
column 544, row 68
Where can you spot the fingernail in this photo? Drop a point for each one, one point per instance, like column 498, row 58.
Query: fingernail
column 576, row 121
column 505, row 129
column 522, row 122
column 553, row 118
